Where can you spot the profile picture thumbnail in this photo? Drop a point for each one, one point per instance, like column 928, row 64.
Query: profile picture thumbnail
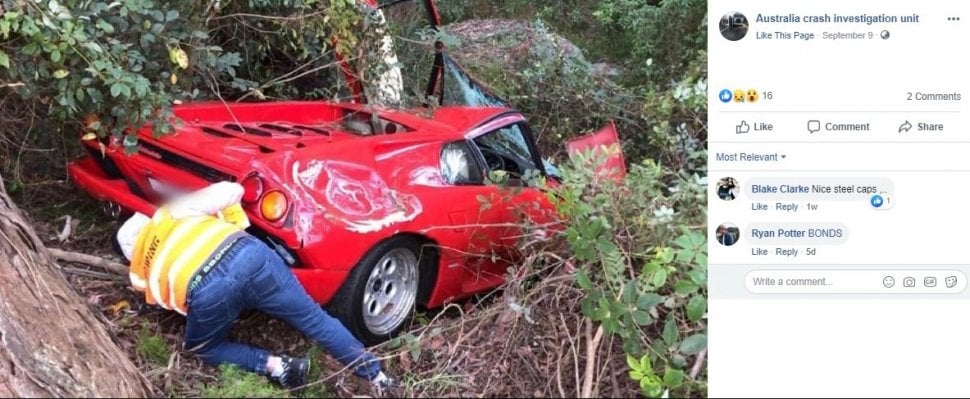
column 728, row 188
column 728, row 234
column 734, row 26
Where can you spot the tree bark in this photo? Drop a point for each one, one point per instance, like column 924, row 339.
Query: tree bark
column 51, row 343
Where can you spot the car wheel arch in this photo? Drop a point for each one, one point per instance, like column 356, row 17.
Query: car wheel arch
column 346, row 306
column 428, row 263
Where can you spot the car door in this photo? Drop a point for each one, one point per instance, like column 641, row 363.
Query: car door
column 512, row 170
column 475, row 217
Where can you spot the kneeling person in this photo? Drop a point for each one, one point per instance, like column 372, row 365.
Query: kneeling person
column 194, row 257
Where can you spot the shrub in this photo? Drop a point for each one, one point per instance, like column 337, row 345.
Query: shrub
column 641, row 258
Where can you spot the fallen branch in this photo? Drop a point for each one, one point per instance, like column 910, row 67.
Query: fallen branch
column 592, row 345
column 90, row 273
column 90, row 260
column 66, row 231
column 694, row 371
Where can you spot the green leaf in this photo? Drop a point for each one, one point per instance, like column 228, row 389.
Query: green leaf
column 116, row 89
column 699, row 277
column 30, row 49
column 636, row 375
column 633, row 363
column 649, row 300
column 642, row 318
column 4, row 60
column 105, row 26
column 671, row 332
column 55, row 56
column 583, row 279
column 684, row 241
column 629, row 291
column 693, row 344
column 685, row 287
column 60, row 74
column 632, row 346
column 696, row 308
column 651, row 267
column 660, row 278
column 651, row 386
column 673, row 377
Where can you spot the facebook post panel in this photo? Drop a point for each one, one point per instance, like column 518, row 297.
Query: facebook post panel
column 837, row 222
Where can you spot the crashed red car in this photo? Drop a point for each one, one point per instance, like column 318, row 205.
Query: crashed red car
column 376, row 210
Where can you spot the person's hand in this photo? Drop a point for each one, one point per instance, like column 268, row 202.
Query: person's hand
column 236, row 215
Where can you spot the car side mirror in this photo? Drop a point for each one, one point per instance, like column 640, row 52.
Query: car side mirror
column 458, row 166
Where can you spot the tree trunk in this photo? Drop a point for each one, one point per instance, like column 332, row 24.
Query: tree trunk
column 51, row 342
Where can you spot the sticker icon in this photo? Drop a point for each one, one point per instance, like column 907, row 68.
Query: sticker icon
column 951, row 281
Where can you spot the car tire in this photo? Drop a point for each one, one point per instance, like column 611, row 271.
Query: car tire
column 389, row 274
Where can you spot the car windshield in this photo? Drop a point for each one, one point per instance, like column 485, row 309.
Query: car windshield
column 414, row 29
column 510, row 144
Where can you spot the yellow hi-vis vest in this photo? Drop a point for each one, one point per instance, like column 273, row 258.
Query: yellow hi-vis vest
column 169, row 252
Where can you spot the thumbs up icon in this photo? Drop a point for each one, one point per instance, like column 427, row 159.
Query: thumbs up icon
column 742, row 128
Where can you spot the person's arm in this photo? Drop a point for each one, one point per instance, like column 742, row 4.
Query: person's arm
column 210, row 200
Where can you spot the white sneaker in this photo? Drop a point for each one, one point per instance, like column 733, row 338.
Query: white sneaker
column 382, row 383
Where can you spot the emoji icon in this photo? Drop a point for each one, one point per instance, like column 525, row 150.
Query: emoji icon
column 909, row 282
column 738, row 95
column 888, row 281
column 951, row 281
column 725, row 96
column 752, row 95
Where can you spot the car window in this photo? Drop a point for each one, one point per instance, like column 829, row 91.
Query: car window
column 458, row 164
column 506, row 149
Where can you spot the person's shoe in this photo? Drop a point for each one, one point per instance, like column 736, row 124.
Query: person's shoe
column 295, row 370
column 383, row 384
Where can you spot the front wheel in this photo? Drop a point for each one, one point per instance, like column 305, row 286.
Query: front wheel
column 379, row 295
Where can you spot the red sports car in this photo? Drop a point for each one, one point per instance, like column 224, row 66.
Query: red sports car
column 376, row 209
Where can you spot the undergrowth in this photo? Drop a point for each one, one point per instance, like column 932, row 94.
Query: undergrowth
column 151, row 346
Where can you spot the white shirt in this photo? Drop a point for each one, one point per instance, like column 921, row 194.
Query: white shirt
column 206, row 201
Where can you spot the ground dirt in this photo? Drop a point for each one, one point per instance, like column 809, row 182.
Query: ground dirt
column 486, row 346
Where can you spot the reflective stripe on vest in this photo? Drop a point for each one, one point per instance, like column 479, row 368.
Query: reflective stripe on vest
column 173, row 250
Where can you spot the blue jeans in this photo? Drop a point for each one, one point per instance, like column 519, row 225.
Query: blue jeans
column 251, row 276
